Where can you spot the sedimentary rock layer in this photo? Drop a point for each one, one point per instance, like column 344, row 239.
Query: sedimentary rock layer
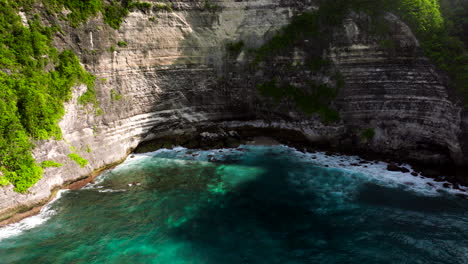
column 175, row 72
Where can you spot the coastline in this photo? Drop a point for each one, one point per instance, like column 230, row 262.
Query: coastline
column 213, row 136
column 17, row 214
column 241, row 135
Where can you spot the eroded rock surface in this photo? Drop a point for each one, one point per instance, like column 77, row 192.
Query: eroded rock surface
column 175, row 73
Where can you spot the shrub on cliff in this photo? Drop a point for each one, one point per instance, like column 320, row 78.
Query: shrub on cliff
column 114, row 13
column 31, row 97
column 3, row 181
column 78, row 159
column 437, row 33
column 81, row 10
column 438, row 37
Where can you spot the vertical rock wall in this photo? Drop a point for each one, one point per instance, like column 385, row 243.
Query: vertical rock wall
column 174, row 73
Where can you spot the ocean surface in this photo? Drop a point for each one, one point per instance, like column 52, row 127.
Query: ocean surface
column 252, row 204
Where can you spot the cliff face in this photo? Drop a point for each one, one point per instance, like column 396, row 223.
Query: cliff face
column 399, row 93
column 175, row 73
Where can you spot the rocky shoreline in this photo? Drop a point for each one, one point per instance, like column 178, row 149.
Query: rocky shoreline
column 207, row 137
column 214, row 137
column 150, row 87
column 18, row 214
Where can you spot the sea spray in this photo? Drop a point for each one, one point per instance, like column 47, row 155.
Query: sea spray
column 30, row 222
column 250, row 204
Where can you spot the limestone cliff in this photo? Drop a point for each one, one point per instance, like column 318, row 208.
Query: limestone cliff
column 174, row 73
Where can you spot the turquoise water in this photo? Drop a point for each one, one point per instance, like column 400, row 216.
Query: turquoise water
column 247, row 205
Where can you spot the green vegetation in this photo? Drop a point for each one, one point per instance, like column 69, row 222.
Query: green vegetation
column 306, row 25
column 142, row 6
column 88, row 149
column 70, row 65
column 440, row 34
column 50, row 163
column 72, row 148
column 234, row 48
column 4, row 181
column 31, row 97
column 163, row 6
column 424, row 17
column 446, row 50
column 89, row 97
column 316, row 27
column 81, row 10
column 368, row 134
column 315, row 99
column 455, row 13
column 114, row 11
column 122, row 44
column 271, row 89
column 210, row 6
column 115, row 96
column 99, row 111
column 316, row 63
column 78, row 159
column 36, row 79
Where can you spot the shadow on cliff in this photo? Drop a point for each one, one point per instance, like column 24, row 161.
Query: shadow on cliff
column 193, row 84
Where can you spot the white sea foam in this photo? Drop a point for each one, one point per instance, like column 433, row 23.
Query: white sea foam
column 131, row 161
column 110, row 191
column 372, row 171
column 376, row 172
column 95, row 183
column 351, row 166
column 30, row 222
